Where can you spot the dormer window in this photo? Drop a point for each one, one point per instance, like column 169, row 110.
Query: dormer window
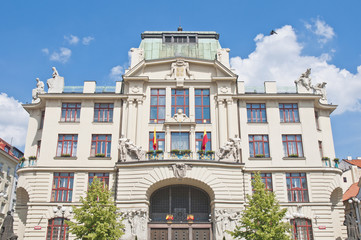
column 169, row 38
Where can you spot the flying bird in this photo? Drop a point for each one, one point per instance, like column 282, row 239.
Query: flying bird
column 273, row 32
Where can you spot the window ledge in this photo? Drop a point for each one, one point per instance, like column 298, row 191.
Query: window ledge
column 290, row 122
column 65, row 158
column 102, row 122
column 258, row 122
column 99, row 158
column 260, row 158
column 69, row 122
column 294, row 158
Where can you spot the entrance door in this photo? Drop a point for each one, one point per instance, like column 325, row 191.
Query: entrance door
column 201, row 234
column 180, row 234
column 159, row 234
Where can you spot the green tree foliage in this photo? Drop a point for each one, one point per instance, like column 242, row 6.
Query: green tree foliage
column 96, row 217
column 262, row 219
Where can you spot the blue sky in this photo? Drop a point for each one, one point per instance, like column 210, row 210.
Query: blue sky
column 85, row 40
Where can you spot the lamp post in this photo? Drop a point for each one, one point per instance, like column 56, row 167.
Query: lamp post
column 355, row 203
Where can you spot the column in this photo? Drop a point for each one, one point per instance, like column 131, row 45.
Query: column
column 167, row 142
column 191, row 104
column 138, row 129
column 192, row 142
column 131, row 120
column 222, row 126
column 230, row 118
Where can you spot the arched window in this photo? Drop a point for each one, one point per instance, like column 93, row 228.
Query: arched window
column 302, row 229
column 179, row 201
column 57, row 229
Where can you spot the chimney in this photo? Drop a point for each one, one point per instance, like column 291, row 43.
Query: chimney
column 349, row 157
column 358, row 158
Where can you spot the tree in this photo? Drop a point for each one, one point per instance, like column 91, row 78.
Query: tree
column 97, row 216
column 263, row 218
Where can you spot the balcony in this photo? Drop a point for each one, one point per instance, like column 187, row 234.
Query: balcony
column 27, row 163
column 180, row 155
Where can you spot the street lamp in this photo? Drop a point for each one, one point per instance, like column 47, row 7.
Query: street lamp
column 355, row 203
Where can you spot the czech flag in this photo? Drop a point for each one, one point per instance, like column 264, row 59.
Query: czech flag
column 205, row 140
column 154, row 140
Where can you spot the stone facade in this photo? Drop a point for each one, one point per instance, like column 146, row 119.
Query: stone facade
column 135, row 177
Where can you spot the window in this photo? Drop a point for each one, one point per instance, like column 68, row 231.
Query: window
column 289, row 112
column 266, row 178
column 202, row 106
column 344, row 179
column 101, row 144
column 320, row 148
column 297, row 187
column 38, row 146
column 70, row 112
column 180, row 39
column 160, row 138
column 301, row 229
column 8, row 171
column 57, row 229
column 7, row 149
column 103, row 177
column 258, row 146
column 157, row 105
column 199, row 141
column 317, row 120
column 180, row 100
column 180, row 140
column 292, row 145
column 42, row 120
column 62, row 187
column 256, row 112
column 67, row 145
column 103, row 112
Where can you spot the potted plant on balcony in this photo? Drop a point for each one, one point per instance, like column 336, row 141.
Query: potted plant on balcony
column 64, row 155
column 201, row 154
column 259, row 155
column 32, row 160
column 100, row 155
column 293, row 155
column 336, row 161
column 22, row 161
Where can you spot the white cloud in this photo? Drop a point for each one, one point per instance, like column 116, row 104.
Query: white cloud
column 87, row 40
column 116, row 73
column 62, row 56
column 278, row 58
column 45, row 51
column 72, row 39
column 13, row 120
column 321, row 29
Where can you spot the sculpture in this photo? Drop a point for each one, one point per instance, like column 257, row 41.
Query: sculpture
column 180, row 169
column 38, row 90
column 7, row 231
column 304, row 86
column 320, row 88
column 351, row 224
column 231, row 150
column 180, row 116
column 56, row 83
column 122, row 148
column 304, row 80
column 179, row 71
column 136, row 223
column 126, row 146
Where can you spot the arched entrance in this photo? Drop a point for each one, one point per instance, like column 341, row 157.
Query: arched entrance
column 180, row 212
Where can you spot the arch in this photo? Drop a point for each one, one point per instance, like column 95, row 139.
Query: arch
column 21, row 211
column 336, row 196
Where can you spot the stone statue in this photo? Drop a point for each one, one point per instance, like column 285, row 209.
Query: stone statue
column 304, row 82
column 122, row 148
column 231, row 150
column 351, row 224
column 179, row 71
column 320, row 88
column 38, row 90
column 7, row 231
column 136, row 224
column 127, row 147
column 180, row 169
column 56, row 83
column 237, row 148
column 180, row 116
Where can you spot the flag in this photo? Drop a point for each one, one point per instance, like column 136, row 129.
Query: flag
column 154, row 140
column 205, row 140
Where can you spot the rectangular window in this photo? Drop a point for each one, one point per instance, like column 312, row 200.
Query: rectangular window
column 258, row 146
column 292, row 145
column 38, row 146
column 42, row 120
column 301, row 229
column 157, row 105
column 320, row 148
column 103, row 112
column 317, row 120
column 180, row 100
column 67, row 145
column 266, row 179
column 256, row 112
column 199, row 141
column 103, row 177
column 101, row 144
column 57, row 229
column 70, row 112
column 297, row 187
column 160, row 138
column 62, row 187
column 180, row 140
column 202, row 106
column 289, row 112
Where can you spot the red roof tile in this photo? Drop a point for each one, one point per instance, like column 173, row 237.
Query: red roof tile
column 356, row 162
column 352, row 191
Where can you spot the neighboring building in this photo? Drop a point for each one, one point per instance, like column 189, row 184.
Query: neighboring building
column 179, row 86
column 9, row 159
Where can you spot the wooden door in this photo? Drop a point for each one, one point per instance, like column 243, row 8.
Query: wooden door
column 180, row 234
column 201, row 234
column 159, row 234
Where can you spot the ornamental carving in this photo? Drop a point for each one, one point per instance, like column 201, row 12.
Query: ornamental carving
column 304, row 86
column 179, row 72
column 231, row 150
column 180, row 169
column 128, row 148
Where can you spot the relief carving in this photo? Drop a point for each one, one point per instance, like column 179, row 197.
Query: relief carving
column 128, row 148
column 231, row 150
column 179, row 72
column 180, row 169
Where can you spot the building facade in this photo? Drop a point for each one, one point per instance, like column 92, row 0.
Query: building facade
column 9, row 159
column 145, row 139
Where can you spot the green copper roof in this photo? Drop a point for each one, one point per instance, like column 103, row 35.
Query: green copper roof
column 155, row 47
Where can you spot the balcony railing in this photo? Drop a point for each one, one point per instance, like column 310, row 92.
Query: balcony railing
column 180, row 155
column 27, row 163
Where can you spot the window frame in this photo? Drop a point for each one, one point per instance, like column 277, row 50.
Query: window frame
column 262, row 143
column 306, row 226
column 52, row 226
column 285, row 112
column 107, row 141
column 317, row 120
column 56, row 188
column 41, row 124
column 104, row 178
column 175, row 106
column 202, row 106
column 157, row 106
column 159, row 139
column 250, row 112
column 286, row 143
column 73, row 118
column 302, row 177
column 108, row 112
column 73, row 142
column 38, row 147
column 200, row 140
column 264, row 178
column 181, row 133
